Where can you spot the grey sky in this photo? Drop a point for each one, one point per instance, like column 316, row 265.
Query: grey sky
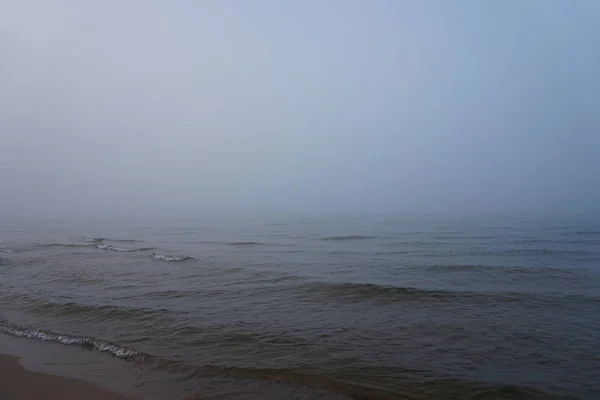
column 195, row 107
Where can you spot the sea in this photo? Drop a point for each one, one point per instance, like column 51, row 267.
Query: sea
column 309, row 307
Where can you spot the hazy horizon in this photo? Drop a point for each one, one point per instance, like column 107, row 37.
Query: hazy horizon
column 200, row 108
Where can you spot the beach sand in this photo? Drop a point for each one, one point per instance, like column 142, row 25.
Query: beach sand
column 65, row 370
column 18, row 383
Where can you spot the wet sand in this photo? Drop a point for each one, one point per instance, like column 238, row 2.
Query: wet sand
column 18, row 383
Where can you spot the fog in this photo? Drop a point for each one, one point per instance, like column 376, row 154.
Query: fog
column 207, row 107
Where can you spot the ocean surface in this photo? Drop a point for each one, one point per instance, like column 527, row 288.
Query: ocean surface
column 315, row 307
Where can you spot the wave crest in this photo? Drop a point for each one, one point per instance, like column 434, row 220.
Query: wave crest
column 370, row 291
column 101, row 239
column 351, row 389
column 88, row 342
column 66, row 245
column 348, row 237
column 84, row 311
column 109, row 247
column 505, row 270
column 533, row 252
column 94, row 239
column 390, row 294
column 168, row 258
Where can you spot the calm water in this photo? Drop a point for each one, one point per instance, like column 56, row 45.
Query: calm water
column 504, row 308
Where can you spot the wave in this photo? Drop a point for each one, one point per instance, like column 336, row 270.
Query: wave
column 109, row 247
column 455, row 267
column 6, row 250
column 46, row 336
column 366, row 291
column 583, row 233
column 84, row 311
column 532, row 252
column 101, row 239
column 167, row 258
column 385, row 293
column 494, row 268
column 61, row 245
column 94, row 239
column 309, row 379
column 349, row 237
column 225, row 243
column 195, row 335
column 64, row 245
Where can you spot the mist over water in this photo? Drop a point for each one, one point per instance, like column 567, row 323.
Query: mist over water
column 365, row 308
column 304, row 200
column 195, row 109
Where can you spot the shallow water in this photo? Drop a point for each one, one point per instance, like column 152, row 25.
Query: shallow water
column 319, row 307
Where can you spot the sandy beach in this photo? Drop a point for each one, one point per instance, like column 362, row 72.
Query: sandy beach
column 18, row 383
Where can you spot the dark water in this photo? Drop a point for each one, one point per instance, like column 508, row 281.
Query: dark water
column 478, row 308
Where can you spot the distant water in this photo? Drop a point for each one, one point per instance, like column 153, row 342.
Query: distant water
column 498, row 308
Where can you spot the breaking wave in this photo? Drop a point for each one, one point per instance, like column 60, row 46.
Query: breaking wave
column 471, row 390
column 168, row 258
column 94, row 239
column 104, row 239
column 87, row 342
column 109, row 247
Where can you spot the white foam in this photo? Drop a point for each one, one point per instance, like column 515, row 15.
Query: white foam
column 94, row 239
column 98, row 345
column 103, row 246
column 167, row 258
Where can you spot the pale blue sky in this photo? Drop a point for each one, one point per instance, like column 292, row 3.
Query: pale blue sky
column 195, row 107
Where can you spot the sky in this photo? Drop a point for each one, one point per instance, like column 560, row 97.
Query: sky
column 189, row 107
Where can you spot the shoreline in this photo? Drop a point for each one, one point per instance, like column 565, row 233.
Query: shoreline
column 20, row 383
